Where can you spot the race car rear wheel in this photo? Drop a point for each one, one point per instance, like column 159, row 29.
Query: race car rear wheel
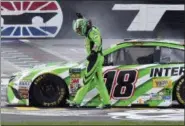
column 48, row 90
column 180, row 91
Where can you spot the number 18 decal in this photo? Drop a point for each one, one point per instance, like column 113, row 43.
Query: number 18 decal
column 121, row 83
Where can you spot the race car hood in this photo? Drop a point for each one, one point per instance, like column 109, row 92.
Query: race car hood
column 55, row 68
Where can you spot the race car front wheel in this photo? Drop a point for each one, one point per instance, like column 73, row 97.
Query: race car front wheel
column 180, row 91
column 48, row 90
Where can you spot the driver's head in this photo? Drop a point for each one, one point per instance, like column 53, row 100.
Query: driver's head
column 80, row 26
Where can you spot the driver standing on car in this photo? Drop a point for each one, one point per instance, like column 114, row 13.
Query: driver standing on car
column 93, row 74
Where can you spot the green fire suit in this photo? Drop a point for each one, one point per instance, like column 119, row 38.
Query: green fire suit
column 93, row 74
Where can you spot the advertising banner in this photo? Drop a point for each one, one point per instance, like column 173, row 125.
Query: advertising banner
column 30, row 19
column 116, row 19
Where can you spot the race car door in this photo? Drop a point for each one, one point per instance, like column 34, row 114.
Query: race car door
column 127, row 74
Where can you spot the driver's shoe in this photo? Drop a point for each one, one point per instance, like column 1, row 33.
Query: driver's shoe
column 73, row 104
column 107, row 106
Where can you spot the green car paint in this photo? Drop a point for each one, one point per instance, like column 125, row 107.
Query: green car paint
column 142, row 88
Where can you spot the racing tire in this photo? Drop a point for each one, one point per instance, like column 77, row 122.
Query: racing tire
column 180, row 91
column 48, row 90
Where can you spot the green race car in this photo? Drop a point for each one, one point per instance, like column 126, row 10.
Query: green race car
column 136, row 72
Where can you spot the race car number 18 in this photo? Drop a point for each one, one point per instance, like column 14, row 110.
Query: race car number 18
column 120, row 83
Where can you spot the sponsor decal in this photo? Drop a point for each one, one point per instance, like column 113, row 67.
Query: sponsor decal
column 143, row 99
column 75, row 76
column 24, row 83
column 75, row 71
column 74, row 83
column 149, row 15
column 24, row 88
column 75, row 80
column 155, row 96
column 164, row 94
column 33, row 19
column 162, row 83
column 23, row 91
column 167, row 97
column 167, row 72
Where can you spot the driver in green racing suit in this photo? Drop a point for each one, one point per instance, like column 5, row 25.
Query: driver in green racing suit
column 93, row 74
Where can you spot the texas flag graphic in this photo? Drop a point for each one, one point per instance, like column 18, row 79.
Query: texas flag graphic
column 30, row 19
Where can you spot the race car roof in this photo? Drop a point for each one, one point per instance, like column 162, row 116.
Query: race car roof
column 181, row 42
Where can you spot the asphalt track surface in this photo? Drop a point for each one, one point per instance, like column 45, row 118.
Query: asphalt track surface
column 20, row 54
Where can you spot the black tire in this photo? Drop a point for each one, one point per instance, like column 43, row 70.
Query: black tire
column 180, row 91
column 48, row 90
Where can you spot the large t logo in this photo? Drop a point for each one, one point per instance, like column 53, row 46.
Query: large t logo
column 148, row 16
